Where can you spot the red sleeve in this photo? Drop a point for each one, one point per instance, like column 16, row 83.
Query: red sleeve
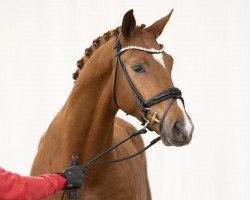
column 14, row 186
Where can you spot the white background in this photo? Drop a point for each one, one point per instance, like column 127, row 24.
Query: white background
column 40, row 42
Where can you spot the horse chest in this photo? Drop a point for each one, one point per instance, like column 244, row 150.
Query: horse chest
column 122, row 181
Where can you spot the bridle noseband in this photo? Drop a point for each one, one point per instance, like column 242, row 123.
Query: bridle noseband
column 170, row 93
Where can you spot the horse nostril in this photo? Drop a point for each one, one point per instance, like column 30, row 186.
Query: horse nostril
column 177, row 133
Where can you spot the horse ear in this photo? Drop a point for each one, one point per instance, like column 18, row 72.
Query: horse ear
column 157, row 27
column 128, row 24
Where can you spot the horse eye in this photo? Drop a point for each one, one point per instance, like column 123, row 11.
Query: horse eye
column 138, row 68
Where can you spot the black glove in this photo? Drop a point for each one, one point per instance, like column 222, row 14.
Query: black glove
column 74, row 176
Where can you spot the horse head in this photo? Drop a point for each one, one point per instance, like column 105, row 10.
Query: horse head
column 143, row 84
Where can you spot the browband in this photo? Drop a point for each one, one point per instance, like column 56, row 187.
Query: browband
column 153, row 51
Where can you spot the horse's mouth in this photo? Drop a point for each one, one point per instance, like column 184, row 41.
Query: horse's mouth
column 176, row 137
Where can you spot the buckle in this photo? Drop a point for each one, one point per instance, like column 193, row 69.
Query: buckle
column 153, row 118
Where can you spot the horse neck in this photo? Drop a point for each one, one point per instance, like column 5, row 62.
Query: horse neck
column 87, row 119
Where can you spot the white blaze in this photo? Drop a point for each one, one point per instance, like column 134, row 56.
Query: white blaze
column 159, row 58
column 188, row 125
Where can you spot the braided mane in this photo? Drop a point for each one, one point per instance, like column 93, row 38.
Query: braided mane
column 101, row 40
column 95, row 45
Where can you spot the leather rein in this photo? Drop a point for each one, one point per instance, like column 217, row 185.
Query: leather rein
column 144, row 105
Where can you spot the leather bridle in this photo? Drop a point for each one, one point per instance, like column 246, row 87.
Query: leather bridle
column 172, row 93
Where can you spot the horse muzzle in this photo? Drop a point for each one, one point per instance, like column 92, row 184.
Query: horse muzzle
column 177, row 133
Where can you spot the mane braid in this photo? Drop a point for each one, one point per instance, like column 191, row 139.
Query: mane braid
column 101, row 40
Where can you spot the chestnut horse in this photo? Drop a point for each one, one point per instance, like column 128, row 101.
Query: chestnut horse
column 86, row 125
